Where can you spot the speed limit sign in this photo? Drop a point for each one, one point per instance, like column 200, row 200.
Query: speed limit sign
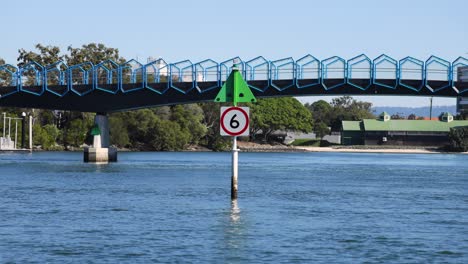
column 234, row 121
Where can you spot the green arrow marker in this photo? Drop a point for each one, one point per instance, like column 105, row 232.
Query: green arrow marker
column 235, row 90
column 95, row 131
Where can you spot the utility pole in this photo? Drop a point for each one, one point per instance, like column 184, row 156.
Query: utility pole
column 4, row 124
column 30, row 132
column 430, row 109
column 23, row 125
column 16, row 133
column 9, row 127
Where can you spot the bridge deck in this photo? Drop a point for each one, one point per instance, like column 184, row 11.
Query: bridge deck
column 101, row 101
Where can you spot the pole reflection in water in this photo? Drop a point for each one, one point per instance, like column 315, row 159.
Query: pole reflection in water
column 235, row 212
column 234, row 246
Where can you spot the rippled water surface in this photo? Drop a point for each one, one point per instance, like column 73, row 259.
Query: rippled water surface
column 292, row 208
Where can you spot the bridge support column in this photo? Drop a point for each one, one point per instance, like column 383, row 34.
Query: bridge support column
column 101, row 150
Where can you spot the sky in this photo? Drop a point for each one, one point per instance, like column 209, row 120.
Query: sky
column 219, row 30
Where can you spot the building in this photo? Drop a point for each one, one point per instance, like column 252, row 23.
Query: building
column 385, row 131
column 163, row 68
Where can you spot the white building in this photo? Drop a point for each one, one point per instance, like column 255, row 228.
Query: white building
column 163, row 68
column 6, row 143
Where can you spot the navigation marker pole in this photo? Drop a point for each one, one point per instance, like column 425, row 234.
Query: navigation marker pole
column 235, row 169
column 234, row 121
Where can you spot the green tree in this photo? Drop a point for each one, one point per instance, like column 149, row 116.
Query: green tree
column 76, row 132
column 45, row 136
column 321, row 129
column 94, row 53
column 321, row 111
column 5, row 78
column 347, row 108
column 190, row 117
column 163, row 112
column 4, row 81
column 46, row 55
column 45, row 116
column 168, row 135
column 138, row 124
column 458, row 137
column 273, row 114
column 118, row 131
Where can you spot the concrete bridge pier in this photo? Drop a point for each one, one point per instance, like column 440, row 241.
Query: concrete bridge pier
column 101, row 150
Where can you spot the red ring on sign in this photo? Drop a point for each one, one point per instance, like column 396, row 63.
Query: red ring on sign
column 246, row 123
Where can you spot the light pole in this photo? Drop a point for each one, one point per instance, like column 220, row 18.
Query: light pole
column 4, row 123
column 430, row 110
column 23, row 124
column 16, row 133
column 9, row 127
column 30, row 132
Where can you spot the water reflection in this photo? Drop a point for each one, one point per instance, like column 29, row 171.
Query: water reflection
column 235, row 212
column 234, row 245
column 99, row 166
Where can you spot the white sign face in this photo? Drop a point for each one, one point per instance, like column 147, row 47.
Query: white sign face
column 234, row 121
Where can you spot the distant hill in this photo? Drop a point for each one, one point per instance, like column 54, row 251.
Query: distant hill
column 418, row 111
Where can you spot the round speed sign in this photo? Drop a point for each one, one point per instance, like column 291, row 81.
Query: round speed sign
column 234, row 121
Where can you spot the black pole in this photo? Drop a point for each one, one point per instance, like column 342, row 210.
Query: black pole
column 23, row 131
column 430, row 110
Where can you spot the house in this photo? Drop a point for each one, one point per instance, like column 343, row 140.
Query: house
column 385, row 131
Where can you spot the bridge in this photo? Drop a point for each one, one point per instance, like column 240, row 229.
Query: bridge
column 108, row 86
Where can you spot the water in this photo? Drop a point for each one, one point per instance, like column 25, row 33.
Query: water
column 293, row 208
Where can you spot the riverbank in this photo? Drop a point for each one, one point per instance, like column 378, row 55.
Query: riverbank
column 278, row 147
column 256, row 147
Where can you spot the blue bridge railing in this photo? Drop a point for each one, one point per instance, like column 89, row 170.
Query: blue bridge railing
column 360, row 72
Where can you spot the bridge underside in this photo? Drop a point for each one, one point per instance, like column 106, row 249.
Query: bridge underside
column 101, row 101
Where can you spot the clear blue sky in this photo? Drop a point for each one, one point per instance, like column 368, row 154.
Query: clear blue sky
column 195, row 30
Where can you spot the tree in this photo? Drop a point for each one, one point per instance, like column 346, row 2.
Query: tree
column 343, row 102
column 458, row 137
column 189, row 117
column 412, row 117
column 47, row 55
column 347, row 108
column 45, row 116
column 76, row 131
column 397, row 116
column 94, row 53
column 5, row 78
column 321, row 111
column 45, row 136
column 321, row 129
column 118, row 131
column 163, row 112
column 167, row 135
column 138, row 124
column 273, row 114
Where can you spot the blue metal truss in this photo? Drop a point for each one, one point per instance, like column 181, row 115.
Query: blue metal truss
column 361, row 72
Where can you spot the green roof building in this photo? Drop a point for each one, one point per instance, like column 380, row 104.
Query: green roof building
column 384, row 130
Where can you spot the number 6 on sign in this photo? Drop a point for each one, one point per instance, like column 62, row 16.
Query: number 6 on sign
column 234, row 121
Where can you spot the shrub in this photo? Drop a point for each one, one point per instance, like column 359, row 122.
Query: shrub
column 458, row 138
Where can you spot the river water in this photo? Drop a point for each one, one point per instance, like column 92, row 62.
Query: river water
column 292, row 208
